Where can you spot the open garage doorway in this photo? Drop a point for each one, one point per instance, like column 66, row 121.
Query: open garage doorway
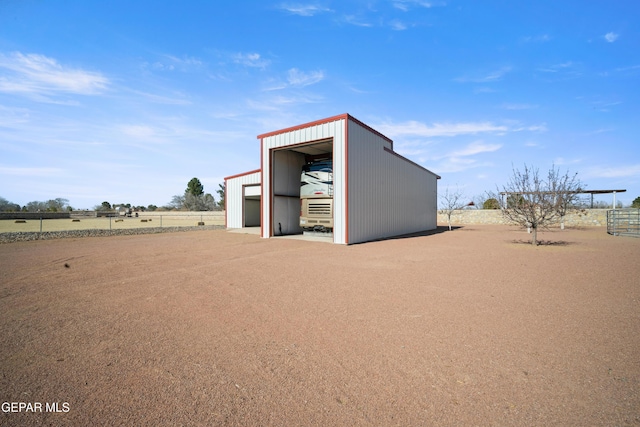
column 286, row 169
column 251, row 205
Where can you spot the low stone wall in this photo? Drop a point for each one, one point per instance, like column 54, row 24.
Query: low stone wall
column 584, row 218
column 182, row 214
column 48, row 235
column 83, row 214
column 34, row 215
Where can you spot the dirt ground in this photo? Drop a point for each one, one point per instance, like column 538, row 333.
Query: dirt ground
column 463, row 327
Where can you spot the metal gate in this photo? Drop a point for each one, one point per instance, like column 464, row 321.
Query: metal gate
column 623, row 222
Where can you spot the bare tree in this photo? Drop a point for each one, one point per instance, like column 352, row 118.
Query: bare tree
column 565, row 189
column 451, row 201
column 536, row 203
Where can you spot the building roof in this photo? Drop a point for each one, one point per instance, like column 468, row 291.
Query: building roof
column 345, row 116
column 241, row 174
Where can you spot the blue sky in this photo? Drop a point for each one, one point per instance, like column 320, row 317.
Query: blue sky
column 126, row 101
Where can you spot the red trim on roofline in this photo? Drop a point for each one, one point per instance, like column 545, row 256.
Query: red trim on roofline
column 345, row 116
column 242, row 174
column 370, row 129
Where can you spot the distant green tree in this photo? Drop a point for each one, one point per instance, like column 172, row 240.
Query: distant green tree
column 152, row 208
column 636, row 203
column 105, row 206
column 491, row 204
column 194, row 198
column 222, row 189
column 36, row 206
column 7, row 206
column 57, row 205
column 195, row 187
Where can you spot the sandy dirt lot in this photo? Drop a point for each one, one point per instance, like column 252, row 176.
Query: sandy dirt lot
column 467, row 327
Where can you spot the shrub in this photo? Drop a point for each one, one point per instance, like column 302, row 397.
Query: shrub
column 491, row 204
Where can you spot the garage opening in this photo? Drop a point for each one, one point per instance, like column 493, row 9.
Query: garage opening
column 302, row 185
column 251, row 205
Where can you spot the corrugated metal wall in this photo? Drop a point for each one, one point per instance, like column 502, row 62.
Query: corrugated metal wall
column 388, row 195
column 235, row 198
column 331, row 129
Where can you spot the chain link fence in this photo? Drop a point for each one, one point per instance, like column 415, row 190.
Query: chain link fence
column 85, row 222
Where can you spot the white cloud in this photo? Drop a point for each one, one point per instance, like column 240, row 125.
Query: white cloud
column 489, row 77
column 416, row 128
column 614, row 172
column 139, row 131
column 611, row 37
column 299, row 78
column 13, row 117
column 537, row 39
column 295, row 78
column 631, row 68
column 357, row 21
column 479, row 90
column 33, row 74
column 561, row 161
column 405, row 5
column 171, row 63
column 19, row 171
column 464, row 158
column 160, row 99
column 533, row 128
column 398, row 25
column 556, row 67
column 304, row 9
column 251, row 60
column 519, row 106
column 601, row 130
column 457, row 164
column 276, row 103
column 474, row 148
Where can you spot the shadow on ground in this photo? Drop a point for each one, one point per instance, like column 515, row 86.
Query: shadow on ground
column 438, row 230
column 544, row 242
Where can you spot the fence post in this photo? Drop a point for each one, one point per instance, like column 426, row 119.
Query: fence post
column 160, row 221
column 40, row 224
column 109, row 222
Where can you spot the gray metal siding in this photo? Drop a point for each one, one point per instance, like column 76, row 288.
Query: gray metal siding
column 235, row 197
column 388, row 195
